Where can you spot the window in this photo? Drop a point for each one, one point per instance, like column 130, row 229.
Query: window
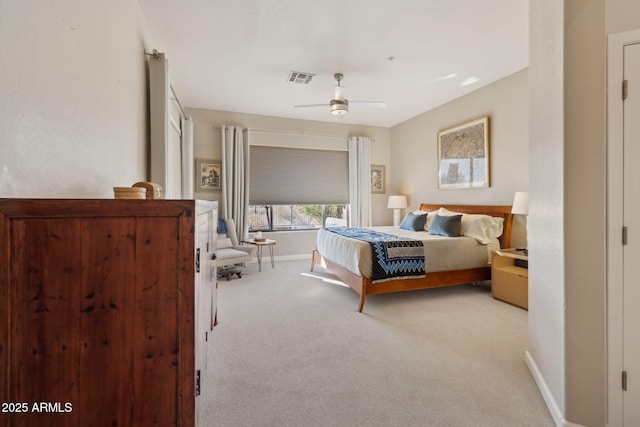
column 297, row 189
column 296, row 217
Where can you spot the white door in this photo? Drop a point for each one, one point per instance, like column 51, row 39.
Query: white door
column 631, row 251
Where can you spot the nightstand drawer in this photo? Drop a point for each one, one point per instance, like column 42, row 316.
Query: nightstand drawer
column 510, row 284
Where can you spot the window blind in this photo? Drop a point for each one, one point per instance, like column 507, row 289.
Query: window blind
column 294, row 176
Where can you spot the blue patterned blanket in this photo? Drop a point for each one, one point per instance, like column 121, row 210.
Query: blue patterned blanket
column 394, row 257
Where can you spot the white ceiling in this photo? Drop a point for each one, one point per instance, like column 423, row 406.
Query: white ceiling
column 236, row 55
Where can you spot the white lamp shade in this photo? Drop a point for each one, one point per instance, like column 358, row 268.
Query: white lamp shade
column 397, row 202
column 520, row 203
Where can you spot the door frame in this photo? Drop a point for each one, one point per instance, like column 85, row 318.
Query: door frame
column 614, row 217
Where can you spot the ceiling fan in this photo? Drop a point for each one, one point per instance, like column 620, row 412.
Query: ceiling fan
column 339, row 105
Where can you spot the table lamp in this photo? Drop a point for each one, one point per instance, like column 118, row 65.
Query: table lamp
column 521, row 207
column 396, row 203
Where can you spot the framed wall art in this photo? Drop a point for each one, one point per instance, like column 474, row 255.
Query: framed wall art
column 377, row 179
column 463, row 155
column 208, row 175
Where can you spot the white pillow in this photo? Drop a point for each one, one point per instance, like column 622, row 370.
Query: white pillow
column 224, row 242
column 483, row 228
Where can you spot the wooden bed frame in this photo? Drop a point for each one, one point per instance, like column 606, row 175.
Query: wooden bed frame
column 364, row 287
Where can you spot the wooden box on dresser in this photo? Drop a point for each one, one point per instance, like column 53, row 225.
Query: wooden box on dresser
column 106, row 307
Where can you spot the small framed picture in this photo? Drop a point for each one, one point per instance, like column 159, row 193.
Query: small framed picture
column 377, row 179
column 208, row 175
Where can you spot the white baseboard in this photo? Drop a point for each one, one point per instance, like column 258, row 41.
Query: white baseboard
column 265, row 258
column 556, row 414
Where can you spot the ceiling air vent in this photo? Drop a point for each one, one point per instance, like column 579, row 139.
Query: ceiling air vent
column 301, row 78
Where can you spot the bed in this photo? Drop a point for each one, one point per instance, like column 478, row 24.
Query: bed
column 348, row 258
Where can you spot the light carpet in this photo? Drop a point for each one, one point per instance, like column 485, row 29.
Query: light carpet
column 290, row 349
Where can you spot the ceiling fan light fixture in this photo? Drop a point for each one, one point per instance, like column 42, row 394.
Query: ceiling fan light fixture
column 339, row 107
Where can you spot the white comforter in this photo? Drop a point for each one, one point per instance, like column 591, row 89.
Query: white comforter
column 441, row 253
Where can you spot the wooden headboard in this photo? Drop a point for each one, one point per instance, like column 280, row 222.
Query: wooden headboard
column 491, row 210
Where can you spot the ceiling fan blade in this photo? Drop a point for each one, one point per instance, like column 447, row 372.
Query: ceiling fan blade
column 310, row 105
column 376, row 104
column 339, row 105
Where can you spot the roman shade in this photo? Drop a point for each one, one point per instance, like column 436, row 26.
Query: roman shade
column 294, row 176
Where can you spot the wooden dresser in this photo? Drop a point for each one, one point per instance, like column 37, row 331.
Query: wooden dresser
column 106, row 307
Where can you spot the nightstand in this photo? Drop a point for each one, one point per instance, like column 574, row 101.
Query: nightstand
column 510, row 277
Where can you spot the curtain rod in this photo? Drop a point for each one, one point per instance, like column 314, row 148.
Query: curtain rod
column 301, row 132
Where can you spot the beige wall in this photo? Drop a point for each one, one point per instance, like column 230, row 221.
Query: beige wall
column 414, row 147
column 73, row 90
column 567, row 175
column 546, row 354
column 621, row 16
column 207, row 144
column 585, row 205
column 567, row 334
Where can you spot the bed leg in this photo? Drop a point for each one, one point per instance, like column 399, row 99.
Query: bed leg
column 362, row 297
column 313, row 260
